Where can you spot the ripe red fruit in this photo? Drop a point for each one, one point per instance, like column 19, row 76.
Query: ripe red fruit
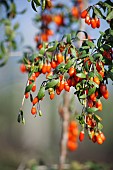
column 87, row 20
column 37, row 74
column 26, row 95
column 106, row 94
column 84, row 13
column 60, row 58
column 61, row 87
column 99, row 139
column 23, row 68
column 81, row 136
column 34, row 88
column 97, row 22
column 44, row 68
column 35, row 100
column 71, row 71
column 33, row 110
column 66, row 87
column 71, row 145
column 103, row 88
column 53, row 64
column 102, row 136
column 52, row 95
column 93, row 23
column 99, row 105
column 96, row 80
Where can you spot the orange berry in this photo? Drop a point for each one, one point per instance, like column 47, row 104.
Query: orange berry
column 87, row 20
column 97, row 20
column 93, row 97
column 61, row 86
column 99, row 105
column 103, row 88
column 33, row 110
column 58, row 19
column 73, row 124
column 102, row 136
column 71, row 145
column 34, row 88
column 99, row 139
column 26, row 95
column 48, row 69
column 71, row 71
column 66, row 87
column 53, row 64
column 37, row 74
column 81, row 136
column 93, row 23
column 58, row 91
column 75, row 11
column 44, row 68
column 90, row 103
column 106, row 94
column 60, row 58
column 96, row 80
column 52, row 95
column 35, row 100
column 84, row 13
column 23, row 68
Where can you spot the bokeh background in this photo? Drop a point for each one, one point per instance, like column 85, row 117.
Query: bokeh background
column 39, row 138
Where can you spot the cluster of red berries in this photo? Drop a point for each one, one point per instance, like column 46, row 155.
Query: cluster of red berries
column 94, row 22
column 72, row 143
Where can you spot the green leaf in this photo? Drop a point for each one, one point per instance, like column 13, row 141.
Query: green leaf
column 23, row 121
column 16, row 26
column 81, row 75
column 51, row 49
column 41, row 92
column 93, row 83
column 81, row 119
column 91, row 91
column 69, row 64
column 74, row 52
column 43, row 4
column 2, row 48
column 42, row 51
column 33, row 6
column 100, row 126
column 110, row 15
column 37, row 2
column 97, row 118
column 29, row 87
column 91, row 74
column 22, row 12
column 98, row 12
column 40, row 113
column 28, row 0
column 92, row 109
column 82, row 96
column 90, row 44
column 68, row 39
column 52, row 83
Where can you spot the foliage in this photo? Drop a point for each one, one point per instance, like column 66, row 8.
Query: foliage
column 87, row 69
column 8, row 42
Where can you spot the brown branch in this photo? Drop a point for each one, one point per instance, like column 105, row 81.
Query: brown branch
column 65, row 115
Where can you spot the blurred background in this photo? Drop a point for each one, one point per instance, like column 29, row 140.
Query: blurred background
column 39, row 138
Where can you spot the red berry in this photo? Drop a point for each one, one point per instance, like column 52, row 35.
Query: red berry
column 33, row 110
column 81, row 136
column 84, row 13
